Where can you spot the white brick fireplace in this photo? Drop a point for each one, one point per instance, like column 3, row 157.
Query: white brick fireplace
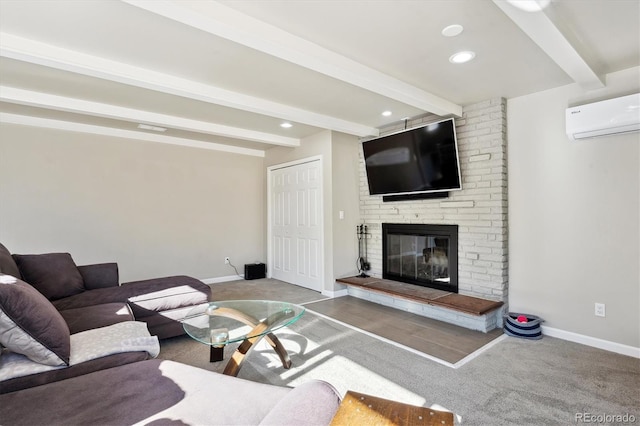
column 479, row 209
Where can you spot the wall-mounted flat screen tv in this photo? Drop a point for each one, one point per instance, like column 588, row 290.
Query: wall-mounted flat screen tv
column 419, row 160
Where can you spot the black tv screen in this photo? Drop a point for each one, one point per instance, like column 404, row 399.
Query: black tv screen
column 419, row 160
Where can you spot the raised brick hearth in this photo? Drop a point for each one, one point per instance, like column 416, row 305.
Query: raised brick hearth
column 466, row 311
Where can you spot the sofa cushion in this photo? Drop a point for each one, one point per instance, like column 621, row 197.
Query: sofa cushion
column 311, row 403
column 150, row 392
column 167, row 324
column 92, row 298
column 96, row 316
column 7, row 264
column 30, row 325
column 145, row 297
column 100, row 275
column 53, row 274
column 31, row 380
column 167, row 293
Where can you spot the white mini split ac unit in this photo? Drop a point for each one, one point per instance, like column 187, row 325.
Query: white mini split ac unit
column 604, row 118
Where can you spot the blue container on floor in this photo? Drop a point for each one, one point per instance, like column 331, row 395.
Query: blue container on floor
column 531, row 329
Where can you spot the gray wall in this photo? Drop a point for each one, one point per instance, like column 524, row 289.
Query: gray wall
column 155, row 209
column 574, row 216
column 346, row 198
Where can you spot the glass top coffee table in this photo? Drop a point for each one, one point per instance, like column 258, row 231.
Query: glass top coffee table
column 248, row 321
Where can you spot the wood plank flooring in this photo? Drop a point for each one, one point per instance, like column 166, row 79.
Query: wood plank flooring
column 445, row 341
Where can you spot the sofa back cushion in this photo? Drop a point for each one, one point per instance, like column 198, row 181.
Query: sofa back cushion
column 30, row 325
column 99, row 275
column 53, row 274
column 7, row 264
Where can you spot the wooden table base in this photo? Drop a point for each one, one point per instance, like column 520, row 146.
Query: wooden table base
column 258, row 332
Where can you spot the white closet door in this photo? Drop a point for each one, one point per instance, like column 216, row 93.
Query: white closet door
column 296, row 224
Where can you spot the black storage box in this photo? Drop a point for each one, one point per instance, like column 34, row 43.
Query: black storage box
column 253, row 271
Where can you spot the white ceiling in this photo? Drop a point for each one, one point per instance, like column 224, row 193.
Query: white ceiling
column 225, row 75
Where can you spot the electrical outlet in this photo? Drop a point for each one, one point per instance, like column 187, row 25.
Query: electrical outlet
column 600, row 311
column 226, row 260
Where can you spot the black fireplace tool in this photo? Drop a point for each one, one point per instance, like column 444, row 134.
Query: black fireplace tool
column 363, row 265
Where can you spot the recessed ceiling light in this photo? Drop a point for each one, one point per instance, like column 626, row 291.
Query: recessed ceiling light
column 452, row 30
column 462, row 57
column 286, row 125
column 153, row 128
column 386, row 113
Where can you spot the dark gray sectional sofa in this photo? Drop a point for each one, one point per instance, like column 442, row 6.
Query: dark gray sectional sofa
column 86, row 298
column 79, row 292
column 46, row 301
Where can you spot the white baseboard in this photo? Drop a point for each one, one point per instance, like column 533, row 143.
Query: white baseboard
column 218, row 280
column 333, row 294
column 592, row 341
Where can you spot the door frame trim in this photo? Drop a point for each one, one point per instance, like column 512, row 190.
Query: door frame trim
column 270, row 171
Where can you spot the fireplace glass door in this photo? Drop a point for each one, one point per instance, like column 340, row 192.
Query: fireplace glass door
column 421, row 255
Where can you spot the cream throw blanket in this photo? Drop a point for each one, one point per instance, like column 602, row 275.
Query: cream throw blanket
column 129, row 336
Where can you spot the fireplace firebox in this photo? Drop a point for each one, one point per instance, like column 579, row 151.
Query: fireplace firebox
column 421, row 254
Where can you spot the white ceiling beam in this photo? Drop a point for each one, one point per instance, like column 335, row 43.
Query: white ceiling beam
column 22, row 49
column 47, row 123
column 550, row 39
column 61, row 103
column 222, row 21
